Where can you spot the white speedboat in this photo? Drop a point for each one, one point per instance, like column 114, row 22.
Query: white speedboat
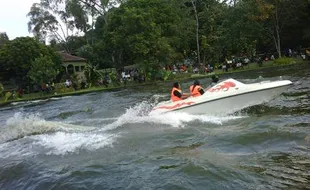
column 226, row 97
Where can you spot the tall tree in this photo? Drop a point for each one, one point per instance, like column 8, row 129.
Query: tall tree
column 270, row 11
column 141, row 31
column 3, row 38
column 211, row 18
column 194, row 4
column 44, row 24
column 279, row 15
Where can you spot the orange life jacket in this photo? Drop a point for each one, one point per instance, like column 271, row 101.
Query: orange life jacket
column 195, row 92
column 173, row 97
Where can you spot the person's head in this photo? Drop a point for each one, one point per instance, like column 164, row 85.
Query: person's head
column 176, row 85
column 215, row 78
column 196, row 83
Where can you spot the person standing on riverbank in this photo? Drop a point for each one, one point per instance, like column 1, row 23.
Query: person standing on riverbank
column 176, row 93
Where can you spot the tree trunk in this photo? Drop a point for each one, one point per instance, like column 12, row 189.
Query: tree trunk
column 92, row 27
column 278, row 46
column 197, row 30
column 204, row 57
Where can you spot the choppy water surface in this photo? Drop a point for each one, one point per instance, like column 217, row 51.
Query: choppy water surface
column 106, row 140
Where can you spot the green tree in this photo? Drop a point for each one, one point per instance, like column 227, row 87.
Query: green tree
column 43, row 69
column 194, row 4
column 239, row 31
column 144, row 32
column 91, row 74
column 1, row 89
column 212, row 16
column 18, row 55
column 3, row 38
column 43, row 23
column 281, row 20
column 159, row 32
column 73, row 14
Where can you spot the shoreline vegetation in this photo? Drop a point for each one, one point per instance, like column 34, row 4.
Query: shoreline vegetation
column 150, row 42
column 179, row 77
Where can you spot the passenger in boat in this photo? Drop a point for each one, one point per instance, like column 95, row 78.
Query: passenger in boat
column 196, row 89
column 215, row 78
column 176, row 93
column 214, row 81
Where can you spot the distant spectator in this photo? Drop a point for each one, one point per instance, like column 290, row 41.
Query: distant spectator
column 260, row 62
column 52, row 86
column 83, row 85
column 215, row 79
column 224, row 67
column 183, row 68
column 123, row 75
column 20, row 93
column 75, row 87
column 68, row 83
column 43, row 87
column 14, row 94
column 239, row 65
column 195, row 70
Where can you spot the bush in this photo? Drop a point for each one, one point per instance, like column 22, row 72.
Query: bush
column 284, row 60
column 1, row 89
column 61, row 88
column 183, row 75
column 7, row 96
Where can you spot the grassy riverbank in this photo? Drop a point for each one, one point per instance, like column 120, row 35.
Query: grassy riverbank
column 179, row 77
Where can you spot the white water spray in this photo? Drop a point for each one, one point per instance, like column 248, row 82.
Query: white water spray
column 140, row 114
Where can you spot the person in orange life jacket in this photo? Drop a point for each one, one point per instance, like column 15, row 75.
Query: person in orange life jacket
column 196, row 89
column 176, row 93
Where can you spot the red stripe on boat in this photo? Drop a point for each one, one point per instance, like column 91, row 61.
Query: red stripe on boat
column 175, row 106
column 225, row 86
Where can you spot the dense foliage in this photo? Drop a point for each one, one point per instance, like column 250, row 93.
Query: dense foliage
column 157, row 33
column 3, row 39
column 18, row 55
column 43, row 70
column 160, row 32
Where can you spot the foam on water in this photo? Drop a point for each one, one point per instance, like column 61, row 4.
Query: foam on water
column 15, row 150
column 29, row 135
column 21, row 125
column 61, row 143
column 140, row 114
column 29, row 102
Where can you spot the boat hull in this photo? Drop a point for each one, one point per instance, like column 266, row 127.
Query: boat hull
column 227, row 97
column 231, row 104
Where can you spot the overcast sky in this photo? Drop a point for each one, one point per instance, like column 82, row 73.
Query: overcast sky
column 13, row 19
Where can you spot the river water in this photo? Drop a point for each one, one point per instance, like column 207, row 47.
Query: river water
column 106, row 140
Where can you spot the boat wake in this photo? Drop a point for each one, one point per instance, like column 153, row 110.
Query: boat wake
column 21, row 125
column 140, row 114
column 28, row 135
column 30, row 102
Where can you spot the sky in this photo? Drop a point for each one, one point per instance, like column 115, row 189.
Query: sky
column 13, row 17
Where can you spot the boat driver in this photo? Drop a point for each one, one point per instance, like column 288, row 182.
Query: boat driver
column 215, row 79
column 196, row 89
column 176, row 93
